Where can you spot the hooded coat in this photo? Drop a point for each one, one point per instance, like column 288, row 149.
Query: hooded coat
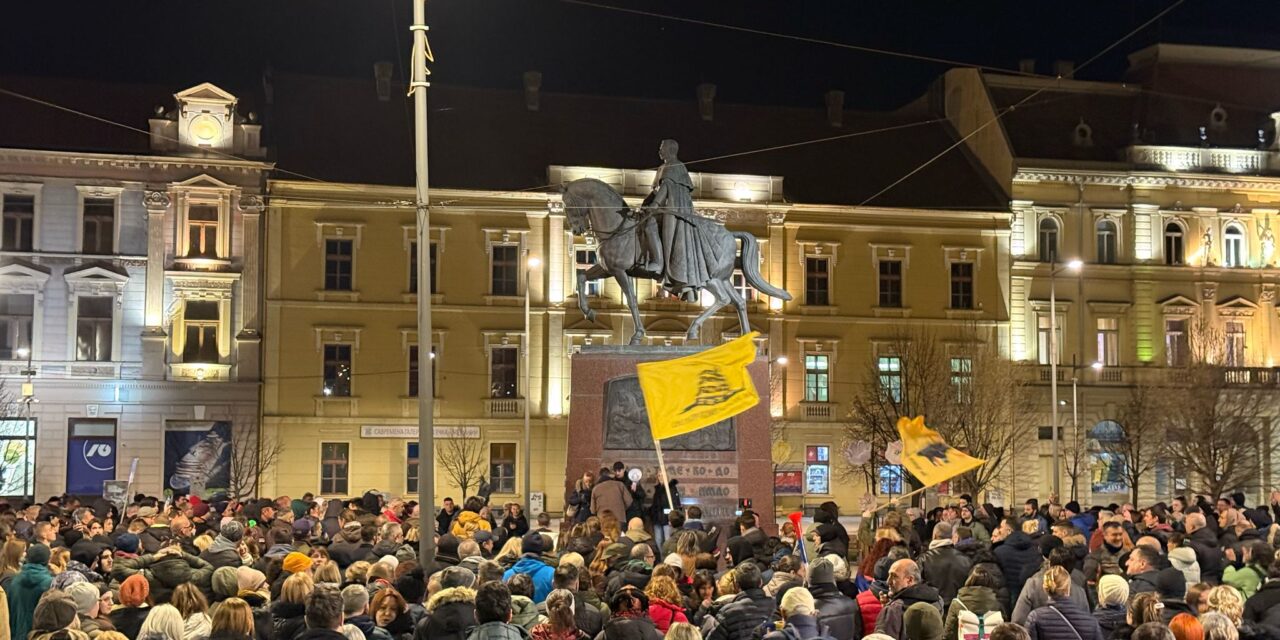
column 165, row 573
column 23, row 593
column 288, row 620
column 540, row 572
column 450, row 615
column 890, row 620
column 979, row 600
column 1016, row 555
column 467, row 523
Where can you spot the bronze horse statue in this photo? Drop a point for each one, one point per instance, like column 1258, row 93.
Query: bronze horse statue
column 591, row 205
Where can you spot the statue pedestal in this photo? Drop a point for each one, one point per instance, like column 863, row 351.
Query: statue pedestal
column 715, row 466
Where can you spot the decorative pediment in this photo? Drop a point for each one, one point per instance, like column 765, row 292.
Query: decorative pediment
column 1237, row 306
column 205, row 91
column 1179, row 305
column 21, row 277
column 96, row 280
column 666, row 325
column 205, row 181
column 582, row 325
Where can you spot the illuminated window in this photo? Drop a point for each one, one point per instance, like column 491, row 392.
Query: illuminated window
column 1173, row 244
column 502, row 372
column 1042, row 333
column 817, row 281
column 93, row 328
column 99, row 226
column 505, row 280
column 1176, row 343
column 1048, row 240
column 739, row 280
column 502, row 467
column 890, row 479
column 961, row 285
column 411, row 468
column 817, row 472
column 584, row 259
column 19, row 223
column 337, row 370
column 16, row 313
column 1233, row 251
column 201, row 322
column 1109, row 341
column 890, row 369
column 1106, row 242
column 338, row 264
column 816, row 377
column 1235, row 337
column 962, row 377
column 202, row 231
column 890, row 283
column 335, row 463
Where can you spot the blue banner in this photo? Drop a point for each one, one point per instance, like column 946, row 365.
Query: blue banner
column 91, row 460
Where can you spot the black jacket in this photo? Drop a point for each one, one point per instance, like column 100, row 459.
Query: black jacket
column 889, row 622
column 1018, row 555
column 946, row 569
column 348, row 553
column 586, row 616
column 832, row 536
column 288, row 620
column 837, row 612
column 128, row 620
column 739, row 619
column 444, row 520
column 1208, row 555
column 450, row 614
column 1264, row 606
column 1144, row 582
column 621, row 628
column 321, row 634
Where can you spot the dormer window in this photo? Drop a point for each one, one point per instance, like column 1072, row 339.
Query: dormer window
column 202, row 231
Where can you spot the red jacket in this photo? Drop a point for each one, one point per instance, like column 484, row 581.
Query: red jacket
column 664, row 614
column 869, row 606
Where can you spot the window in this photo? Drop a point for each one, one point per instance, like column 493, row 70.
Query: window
column 1173, row 245
column 505, row 280
column 1233, row 254
column 1107, row 469
column 338, row 262
column 201, row 320
column 890, row 283
column 817, row 470
column 1046, row 433
column 337, row 370
column 413, row 370
column 16, row 312
column 1235, row 344
column 413, row 267
column 93, row 328
column 502, row 467
column 19, row 223
column 1042, row 331
column 99, row 226
column 1109, row 341
column 962, row 377
column 335, row 463
column 961, row 285
column 891, row 479
column 584, row 260
column 202, row 231
column 739, row 280
column 411, row 469
column 1106, row 242
column 1176, row 344
column 502, row 372
column 816, row 377
column 890, row 368
column 817, row 281
column 1048, row 240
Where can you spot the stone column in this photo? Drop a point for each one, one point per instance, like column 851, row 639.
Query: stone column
column 249, row 337
column 157, row 203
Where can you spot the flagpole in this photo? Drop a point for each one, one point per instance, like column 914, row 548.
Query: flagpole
column 662, row 472
column 902, row 497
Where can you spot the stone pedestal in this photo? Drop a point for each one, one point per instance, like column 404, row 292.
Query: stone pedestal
column 715, row 466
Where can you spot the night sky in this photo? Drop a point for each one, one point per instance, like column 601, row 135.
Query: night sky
column 583, row 49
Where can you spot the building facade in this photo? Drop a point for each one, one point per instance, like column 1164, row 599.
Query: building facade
column 129, row 282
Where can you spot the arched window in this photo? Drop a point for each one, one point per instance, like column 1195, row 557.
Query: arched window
column 1048, row 240
column 1106, row 463
column 1106, row 230
column 1233, row 247
column 1173, row 244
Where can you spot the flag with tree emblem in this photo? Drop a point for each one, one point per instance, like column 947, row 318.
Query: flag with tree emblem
column 930, row 459
column 689, row 393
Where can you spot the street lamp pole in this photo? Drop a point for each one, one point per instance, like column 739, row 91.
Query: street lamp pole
column 1056, row 448
column 530, row 264
column 426, row 383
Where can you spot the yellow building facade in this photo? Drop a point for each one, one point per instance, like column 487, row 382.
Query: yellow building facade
column 341, row 327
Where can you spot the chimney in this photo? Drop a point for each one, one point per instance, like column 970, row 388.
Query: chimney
column 706, row 100
column 382, row 78
column 1027, row 65
column 835, row 108
column 1064, row 68
column 532, row 85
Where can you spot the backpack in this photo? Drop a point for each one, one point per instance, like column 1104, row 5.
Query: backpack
column 972, row 626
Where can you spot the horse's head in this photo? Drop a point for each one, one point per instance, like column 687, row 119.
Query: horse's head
column 577, row 206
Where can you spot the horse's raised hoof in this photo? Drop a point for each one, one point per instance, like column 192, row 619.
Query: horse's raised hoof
column 637, row 339
column 591, row 315
column 692, row 334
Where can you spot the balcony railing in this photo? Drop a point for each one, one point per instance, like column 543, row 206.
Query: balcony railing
column 817, row 410
column 1252, row 376
column 504, row 407
column 1247, row 161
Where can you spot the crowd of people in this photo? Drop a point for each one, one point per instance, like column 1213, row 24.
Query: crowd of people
column 615, row 569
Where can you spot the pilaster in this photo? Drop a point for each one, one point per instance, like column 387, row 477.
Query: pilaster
column 157, row 203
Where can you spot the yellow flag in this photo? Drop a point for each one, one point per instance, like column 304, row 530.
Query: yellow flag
column 689, row 393
column 927, row 457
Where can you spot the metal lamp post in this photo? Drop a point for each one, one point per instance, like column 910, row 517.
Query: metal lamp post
column 530, row 263
column 1073, row 265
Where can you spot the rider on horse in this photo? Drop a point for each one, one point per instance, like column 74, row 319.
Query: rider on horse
column 675, row 245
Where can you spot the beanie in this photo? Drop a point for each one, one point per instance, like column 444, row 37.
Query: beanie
column 52, row 614
column 922, row 622
column 390, row 561
column 296, row 562
column 412, row 586
column 134, row 590
column 302, row 528
column 457, row 577
column 532, row 543
column 127, row 542
column 84, row 595
column 232, row 530
column 798, row 601
column 674, row 560
column 1112, row 589
column 1073, row 506
column 38, row 554
column 224, row 582
column 249, row 579
column 66, row 579
column 822, row 572
column 199, row 510
column 839, row 568
column 573, row 558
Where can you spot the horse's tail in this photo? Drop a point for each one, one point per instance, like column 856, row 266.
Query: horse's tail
column 751, row 267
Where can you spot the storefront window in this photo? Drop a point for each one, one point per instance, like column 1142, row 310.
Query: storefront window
column 817, row 474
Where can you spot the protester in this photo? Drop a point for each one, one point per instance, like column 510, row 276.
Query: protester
column 1061, row 618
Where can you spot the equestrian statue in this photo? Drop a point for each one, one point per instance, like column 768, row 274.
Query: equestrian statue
column 664, row 240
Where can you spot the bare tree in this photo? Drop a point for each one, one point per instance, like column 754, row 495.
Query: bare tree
column 966, row 389
column 16, row 453
column 1214, row 418
column 463, row 460
column 252, row 458
column 1139, row 445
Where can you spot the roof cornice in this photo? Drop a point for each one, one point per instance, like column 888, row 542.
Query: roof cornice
column 1148, row 180
column 130, row 161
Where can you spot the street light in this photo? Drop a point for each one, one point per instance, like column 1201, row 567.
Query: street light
column 1072, row 265
column 530, row 263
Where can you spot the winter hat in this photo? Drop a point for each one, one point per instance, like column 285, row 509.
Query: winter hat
column 39, row 554
column 134, row 590
column 1048, row 544
column 482, row 536
column 302, row 528
column 822, row 572
column 296, row 562
column 127, row 542
column 232, row 530
column 839, row 568
column 573, row 558
column 298, row 507
column 390, row 561
column 1073, row 506
column 199, row 510
column 798, row 601
column 457, row 577
column 1171, row 584
column 1259, row 517
column 1238, row 498
column 532, row 543
column 66, row 579
column 1112, row 589
column 224, row 582
column 922, row 622
column 53, row 613
column 84, row 595
column 406, row 554
column 249, row 579
column 674, row 560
